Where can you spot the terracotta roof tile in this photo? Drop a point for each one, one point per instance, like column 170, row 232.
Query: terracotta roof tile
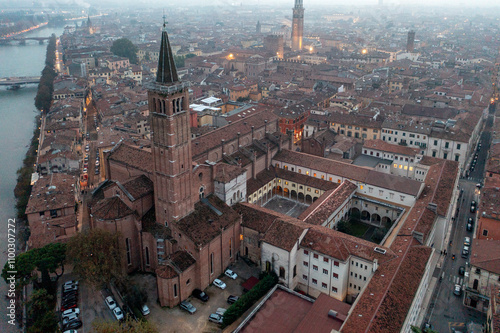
column 284, row 233
column 111, row 209
column 203, row 224
column 349, row 171
column 134, row 157
column 330, row 201
column 485, row 254
column 387, row 147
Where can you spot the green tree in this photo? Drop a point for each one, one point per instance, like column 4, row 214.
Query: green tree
column 127, row 326
column 96, row 256
column 344, row 226
column 135, row 297
column 179, row 61
column 123, row 47
column 48, row 259
column 41, row 317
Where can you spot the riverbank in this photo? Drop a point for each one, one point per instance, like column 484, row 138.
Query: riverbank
column 43, row 101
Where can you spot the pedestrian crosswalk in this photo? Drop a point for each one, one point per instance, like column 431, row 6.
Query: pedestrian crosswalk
column 456, row 279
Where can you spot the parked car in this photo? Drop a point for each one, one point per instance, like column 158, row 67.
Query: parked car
column 73, row 324
column 145, row 310
column 70, row 318
column 457, row 290
column 465, row 252
column 70, row 311
column 185, row 305
column 469, row 227
column 68, row 301
column 71, row 331
column 71, row 287
column 221, row 311
column 70, row 293
column 473, row 206
column 84, row 170
column 200, row 295
column 232, row 299
column 219, row 284
column 110, row 302
column 118, row 313
column 461, row 270
column 467, row 241
column 69, row 298
column 229, row 273
column 87, row 148
column 65, row 307
column 215, row 318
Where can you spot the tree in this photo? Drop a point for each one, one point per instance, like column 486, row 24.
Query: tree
column 127, row 326
column 48, row 259
column 344, row 226
column 40, row 314
column 135, row 297
column 96, row 256
column 123, row 47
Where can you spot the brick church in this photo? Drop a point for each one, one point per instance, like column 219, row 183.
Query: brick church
column 172, row 203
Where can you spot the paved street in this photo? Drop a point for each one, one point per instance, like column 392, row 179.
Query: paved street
column 447, row 312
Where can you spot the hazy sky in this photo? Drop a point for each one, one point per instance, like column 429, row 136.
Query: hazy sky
column 343, row 3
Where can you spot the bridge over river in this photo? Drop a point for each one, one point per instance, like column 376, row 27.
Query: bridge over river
column 16, row 82
column 22, row 40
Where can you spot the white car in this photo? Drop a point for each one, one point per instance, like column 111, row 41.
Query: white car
column 215, row 318
column 70, row 283
column 221, row 311
column 219, row 284
column 145, row 310
column 118, row 313
column 110, row 302
column 229, row 273
column 467, row 241
column 70, row 312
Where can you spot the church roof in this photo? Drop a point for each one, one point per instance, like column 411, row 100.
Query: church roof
column 167, row 73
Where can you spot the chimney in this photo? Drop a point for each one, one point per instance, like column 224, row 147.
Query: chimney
column 252, row 131
column 222, row 145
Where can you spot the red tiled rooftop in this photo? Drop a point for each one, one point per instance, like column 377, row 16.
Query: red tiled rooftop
column 387, row 147
column 329, row 202
column 317, row 319
column 281, row 313
column 349, row 171
column 384, row 305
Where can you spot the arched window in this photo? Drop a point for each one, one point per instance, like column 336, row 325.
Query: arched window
column 200, row 176
column 147, row 256
column 282, row 272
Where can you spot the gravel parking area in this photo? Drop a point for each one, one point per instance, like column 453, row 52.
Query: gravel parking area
column 91, row 304
column 179, row 321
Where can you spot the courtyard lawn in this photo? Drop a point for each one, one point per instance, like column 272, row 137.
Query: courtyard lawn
column 358, row 229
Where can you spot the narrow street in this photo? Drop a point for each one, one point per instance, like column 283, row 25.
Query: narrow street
column 447, row 313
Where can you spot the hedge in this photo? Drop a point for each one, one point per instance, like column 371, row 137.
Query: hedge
column 246, row 301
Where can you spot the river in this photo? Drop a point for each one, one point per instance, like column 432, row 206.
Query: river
column 17, row 115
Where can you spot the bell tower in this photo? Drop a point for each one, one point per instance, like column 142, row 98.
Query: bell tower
column 168, row 100
column 297, row 26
